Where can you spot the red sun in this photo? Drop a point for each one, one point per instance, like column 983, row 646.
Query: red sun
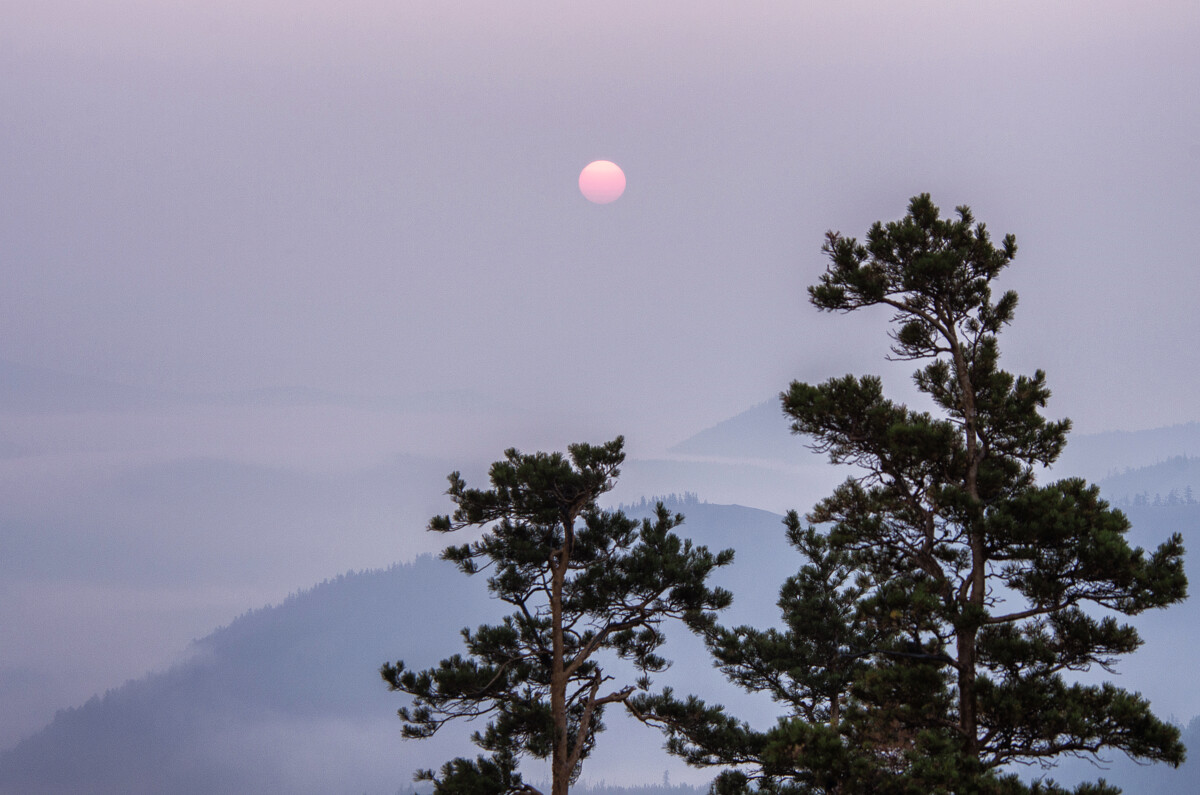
column 602, row 181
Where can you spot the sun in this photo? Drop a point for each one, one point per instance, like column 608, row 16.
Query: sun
column 602, row 181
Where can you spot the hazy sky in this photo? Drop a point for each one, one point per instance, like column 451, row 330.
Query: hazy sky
column 379, row 199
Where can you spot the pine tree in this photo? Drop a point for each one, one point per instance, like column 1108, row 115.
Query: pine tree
column 584, row 581
column 948, row 598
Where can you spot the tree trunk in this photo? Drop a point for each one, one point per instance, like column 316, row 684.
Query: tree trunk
column 560, row 765
column 965, row 636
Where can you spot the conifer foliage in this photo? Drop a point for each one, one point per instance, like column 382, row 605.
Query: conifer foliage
column 587, row 585
column 930, row 637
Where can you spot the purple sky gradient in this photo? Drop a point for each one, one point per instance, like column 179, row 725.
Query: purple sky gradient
column 379, row 200
column 379, row 197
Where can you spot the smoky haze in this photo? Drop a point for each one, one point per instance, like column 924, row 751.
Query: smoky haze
column 272, row 270
column 380, row 198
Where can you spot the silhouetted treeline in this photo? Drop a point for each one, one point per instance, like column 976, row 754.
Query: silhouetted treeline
column 1171, row 482
column 672, row 501
column 600, row 788
column 649, row 789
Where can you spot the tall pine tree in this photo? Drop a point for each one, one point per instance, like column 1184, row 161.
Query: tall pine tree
column 585, row 583
column 931, row 637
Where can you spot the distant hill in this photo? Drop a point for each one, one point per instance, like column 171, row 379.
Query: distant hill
column 601, row 788
column 284, row 699
column 1104, row 455
column 762, row 433
column 289, row 699
column 1175, row 481
column 751, row 458
column 758, row 433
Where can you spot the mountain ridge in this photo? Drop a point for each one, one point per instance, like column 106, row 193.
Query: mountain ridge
column 761, row 433
column 301, row 677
